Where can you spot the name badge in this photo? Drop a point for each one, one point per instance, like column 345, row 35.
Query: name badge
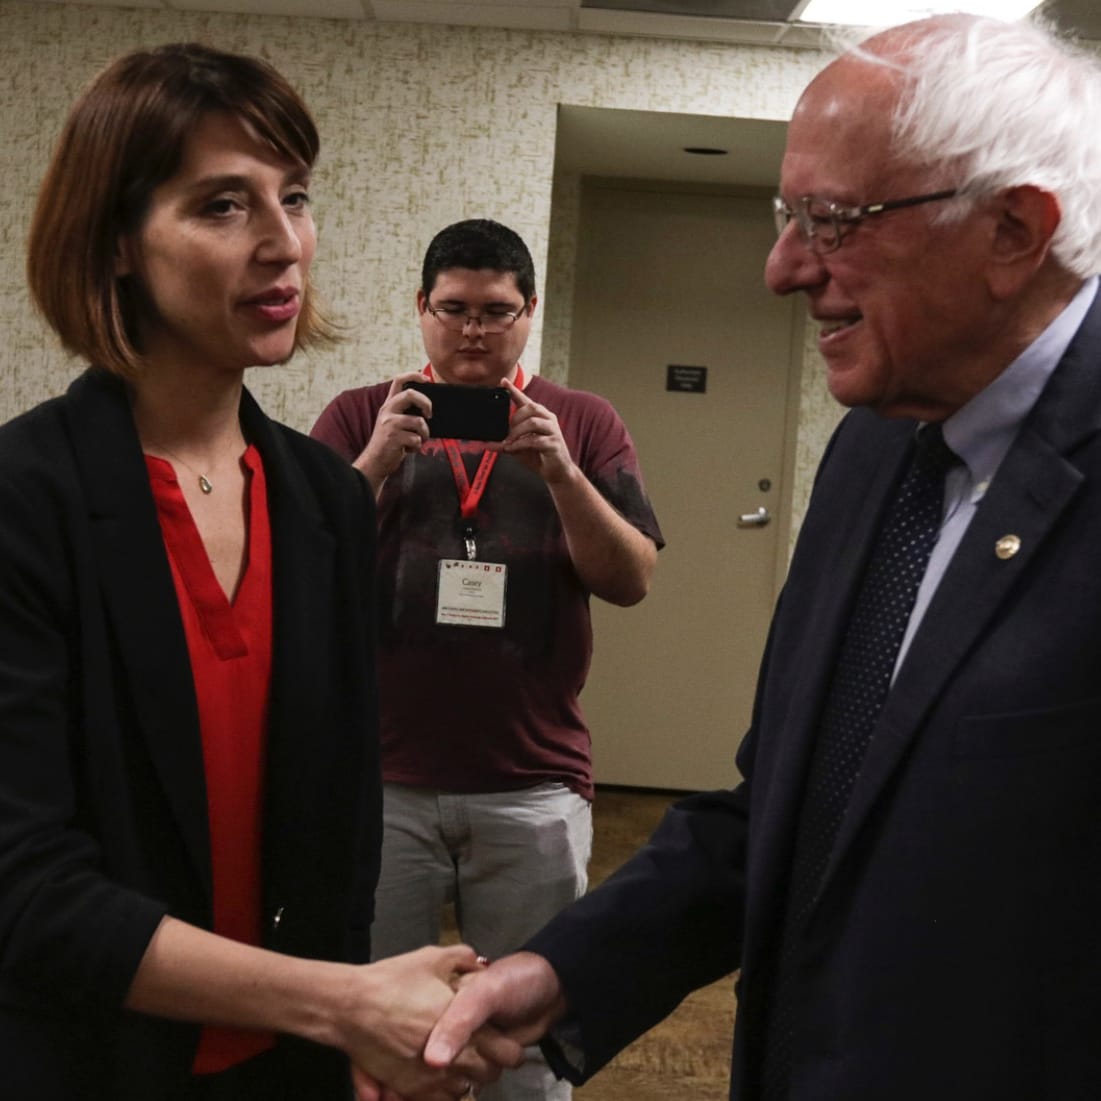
column 471, row 594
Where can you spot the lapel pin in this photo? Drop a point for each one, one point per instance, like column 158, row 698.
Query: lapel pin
column 1007, row 546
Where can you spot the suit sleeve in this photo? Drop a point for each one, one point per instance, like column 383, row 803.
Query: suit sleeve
column 668, row 922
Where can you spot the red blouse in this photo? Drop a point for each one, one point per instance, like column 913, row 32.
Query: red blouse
column 230, row 649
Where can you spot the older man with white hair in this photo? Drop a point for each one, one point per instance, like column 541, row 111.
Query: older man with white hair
column 909, row 877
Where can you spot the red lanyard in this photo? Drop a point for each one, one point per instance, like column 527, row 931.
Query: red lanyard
column 470, row 493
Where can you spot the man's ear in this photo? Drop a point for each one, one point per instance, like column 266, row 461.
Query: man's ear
column 1026, row 218
column 532, row 303
column 422, row 301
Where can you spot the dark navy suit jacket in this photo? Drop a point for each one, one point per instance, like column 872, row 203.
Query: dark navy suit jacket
column 955, row 950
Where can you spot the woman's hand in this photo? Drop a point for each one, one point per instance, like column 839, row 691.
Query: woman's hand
column 394, row 1005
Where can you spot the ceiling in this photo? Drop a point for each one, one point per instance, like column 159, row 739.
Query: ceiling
column 648, row 145
column 761, row 22
column 605, row 142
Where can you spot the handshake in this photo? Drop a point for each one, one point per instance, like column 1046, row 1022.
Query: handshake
column 432, row 1025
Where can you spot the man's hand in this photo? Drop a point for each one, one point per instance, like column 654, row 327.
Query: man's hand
column 519, row 994
column 612, row 557
column 397, row 431
column 535, row 438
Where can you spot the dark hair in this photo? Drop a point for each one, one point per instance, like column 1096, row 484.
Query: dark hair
column 479, row 244
column 124, row 137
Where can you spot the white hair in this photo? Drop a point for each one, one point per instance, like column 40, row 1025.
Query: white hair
column 1001, row 105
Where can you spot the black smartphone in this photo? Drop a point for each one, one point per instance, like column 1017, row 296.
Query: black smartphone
column 465, row 412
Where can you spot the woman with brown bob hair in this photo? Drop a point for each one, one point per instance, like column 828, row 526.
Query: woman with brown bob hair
column 189, row 801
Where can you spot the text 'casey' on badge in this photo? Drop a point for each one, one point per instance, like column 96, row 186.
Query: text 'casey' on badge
column 471, row 593
column 1007, row 546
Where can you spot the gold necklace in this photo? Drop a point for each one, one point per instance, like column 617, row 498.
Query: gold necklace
column 205, row 483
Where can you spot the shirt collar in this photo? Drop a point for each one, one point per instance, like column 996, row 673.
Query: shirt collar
column 983, row 430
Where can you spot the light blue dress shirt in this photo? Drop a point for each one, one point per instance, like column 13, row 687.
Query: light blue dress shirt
column 982, row 432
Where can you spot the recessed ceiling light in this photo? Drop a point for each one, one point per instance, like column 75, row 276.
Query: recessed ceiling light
column 705, row 151
column 889, row 13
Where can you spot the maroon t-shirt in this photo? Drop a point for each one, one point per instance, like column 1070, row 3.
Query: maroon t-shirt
column 471, row 709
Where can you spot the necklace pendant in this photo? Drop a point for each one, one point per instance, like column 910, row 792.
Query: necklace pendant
column 204, row 484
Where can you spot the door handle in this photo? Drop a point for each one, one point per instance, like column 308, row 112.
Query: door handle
column 756, row 519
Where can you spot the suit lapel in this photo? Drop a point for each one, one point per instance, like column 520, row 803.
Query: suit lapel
column 1035, row 485
column 140, row 602
column 837, row 536
column 1032, row 489
column 140, row 599
column 303, row 556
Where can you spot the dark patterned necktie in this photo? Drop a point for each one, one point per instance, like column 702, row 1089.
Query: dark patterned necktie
column 861, row 681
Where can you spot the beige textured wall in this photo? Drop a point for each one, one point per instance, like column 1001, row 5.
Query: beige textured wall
column 421, row 126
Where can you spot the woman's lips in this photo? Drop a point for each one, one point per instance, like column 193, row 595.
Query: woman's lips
column 278, row 306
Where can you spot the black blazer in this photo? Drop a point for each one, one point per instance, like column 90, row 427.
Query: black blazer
column 103, row 826
column 955, row 950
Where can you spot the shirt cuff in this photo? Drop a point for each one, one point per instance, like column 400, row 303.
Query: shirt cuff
column 563, row 1050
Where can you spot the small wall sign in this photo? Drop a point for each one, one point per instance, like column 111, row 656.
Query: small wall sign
column 686, row 380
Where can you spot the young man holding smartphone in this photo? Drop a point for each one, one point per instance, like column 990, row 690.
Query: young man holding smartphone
column 489, row 552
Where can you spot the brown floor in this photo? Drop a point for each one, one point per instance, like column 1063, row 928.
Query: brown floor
column 687, row 1056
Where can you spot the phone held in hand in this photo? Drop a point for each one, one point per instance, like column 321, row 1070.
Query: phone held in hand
column 464, row 412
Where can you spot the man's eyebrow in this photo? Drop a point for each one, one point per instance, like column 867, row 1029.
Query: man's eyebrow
column 494, row 304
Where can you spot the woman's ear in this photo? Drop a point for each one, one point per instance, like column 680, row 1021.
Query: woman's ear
column 124, row 261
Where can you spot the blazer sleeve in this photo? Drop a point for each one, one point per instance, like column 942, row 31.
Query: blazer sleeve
column 66, row 930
